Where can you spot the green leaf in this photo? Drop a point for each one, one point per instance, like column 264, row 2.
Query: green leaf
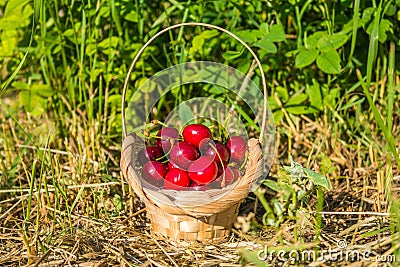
column 324, row 43
column 329, row 61
column 145, row 85
column 301, row 109
column 272, row 185
column 384, row 27
column 185, row 113
column 249, row 36
column 296, row 99
column 276, row 33
column 109, row 42
column 278, row 116
column 318, row 178
column 263, row 29
column 43, row 90
column 115, row 100
column 282, row 93
column 267, row 45
column 132, row 16
column 16, row 17
column 338, row 40
column 314, row 95
column 312, row 40
column 305, row 57
column 20, row 85
column 69, row 33
column 334, row 41
column 199, row 40
column 14, row 6
column 296, row 106
column 209, row 34
column 29, row 100
column 197, row 44
column 228, row 55
column 366, row 18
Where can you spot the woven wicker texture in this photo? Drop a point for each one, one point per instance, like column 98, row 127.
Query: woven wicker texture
column 190, row 215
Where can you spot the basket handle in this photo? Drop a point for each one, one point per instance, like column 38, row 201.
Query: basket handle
column 264, row 83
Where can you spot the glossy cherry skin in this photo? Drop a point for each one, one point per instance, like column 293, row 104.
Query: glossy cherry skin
column 217, row 151
column 154, row 172
column 229, row 176
column 183, row 154
column 203, row 170
column 196, row 187
column 221, row 168
column 237, row 147
column 172, row 165
column 236, row 173
column 149, row 153
column 176, row 179
column 167, row 137
column 195, row 133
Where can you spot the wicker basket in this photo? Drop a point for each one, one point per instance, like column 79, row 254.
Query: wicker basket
column 177, row 214
column 190, row 215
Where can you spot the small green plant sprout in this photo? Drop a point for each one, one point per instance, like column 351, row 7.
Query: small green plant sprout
column 294, row 188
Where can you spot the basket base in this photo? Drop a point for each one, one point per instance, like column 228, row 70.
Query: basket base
column 214, row 228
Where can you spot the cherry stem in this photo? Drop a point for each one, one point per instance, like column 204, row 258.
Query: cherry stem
column 244, row 161
column 223, row 166
column 155, row 122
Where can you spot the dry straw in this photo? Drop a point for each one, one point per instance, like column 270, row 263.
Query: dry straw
column 191, row 215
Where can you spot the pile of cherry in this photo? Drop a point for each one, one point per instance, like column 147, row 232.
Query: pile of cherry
column 192, row 162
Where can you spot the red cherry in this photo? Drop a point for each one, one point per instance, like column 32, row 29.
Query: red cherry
column 167, row 137
column 154, row 172
column 237, row 147
column 231, row 175
column 194, row 133
column 236, row 173
column 221, row 168
column 176, row 179
column 172, row 165
column 203, row 170
column 196, row 187
column 149, row 153
column 214, row 150
column 183, row 154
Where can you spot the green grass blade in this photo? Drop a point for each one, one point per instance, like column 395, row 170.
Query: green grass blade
column 387, row 133
column 356, row 17
column 37, row 5
column 78, row 196
column 31, row 186
column 373, row 46
column 244, row 114
column 115, row 16
column 391, row 86
column 372, row 54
